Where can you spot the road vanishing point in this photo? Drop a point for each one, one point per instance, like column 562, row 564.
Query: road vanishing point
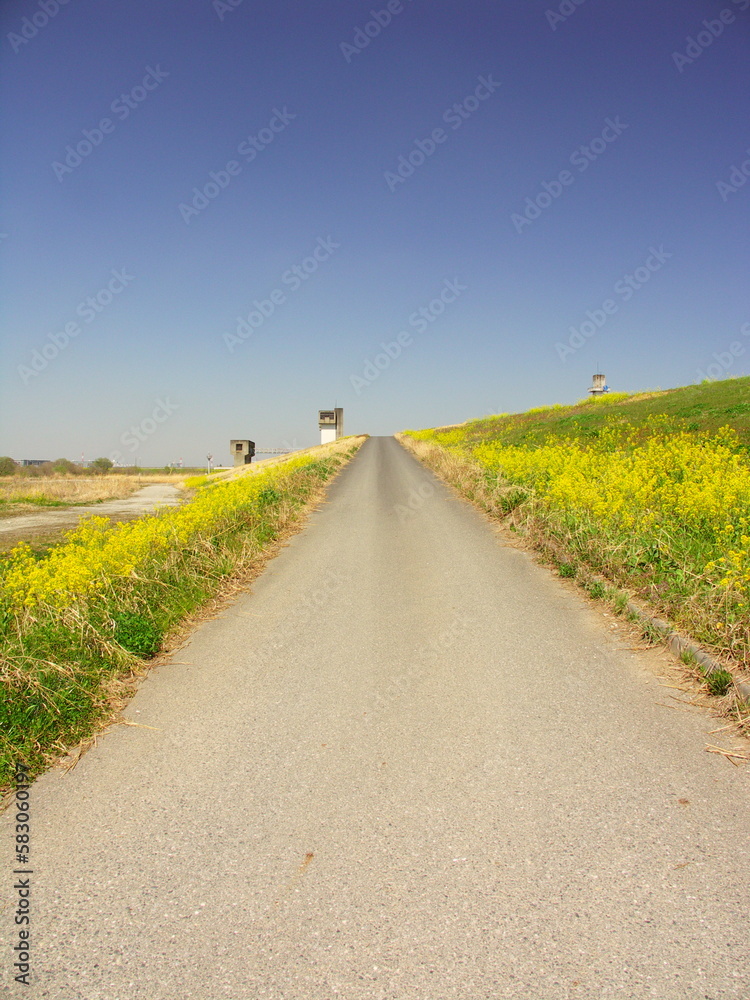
column 409, row 764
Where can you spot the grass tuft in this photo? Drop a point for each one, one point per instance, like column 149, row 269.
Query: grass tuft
column 719, row 682
column 620, row 604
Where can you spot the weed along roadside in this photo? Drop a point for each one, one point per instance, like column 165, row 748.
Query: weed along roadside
column 77, row 621
column 642, row 499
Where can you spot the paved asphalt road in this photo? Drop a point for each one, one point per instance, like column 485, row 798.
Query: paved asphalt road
column 411, row 764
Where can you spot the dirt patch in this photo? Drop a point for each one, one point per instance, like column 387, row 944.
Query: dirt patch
column 46, row 525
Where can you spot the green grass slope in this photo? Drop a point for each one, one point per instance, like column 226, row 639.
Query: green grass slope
column 650, row 491
column 702, row 409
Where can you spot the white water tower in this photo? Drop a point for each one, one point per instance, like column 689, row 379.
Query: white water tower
column 331, row 424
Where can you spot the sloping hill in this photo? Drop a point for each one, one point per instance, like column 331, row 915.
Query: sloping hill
column 652, row 491
column 700, row 409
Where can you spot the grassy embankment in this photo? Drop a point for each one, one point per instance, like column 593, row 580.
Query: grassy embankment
column 77, row 620
column 650, row 491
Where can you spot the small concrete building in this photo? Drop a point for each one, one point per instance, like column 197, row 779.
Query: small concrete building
column 599, row 385
column 242, row 451
column 331, row 424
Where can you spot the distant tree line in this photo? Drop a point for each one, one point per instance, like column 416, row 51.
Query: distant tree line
column 60, row 467
column 99, row 466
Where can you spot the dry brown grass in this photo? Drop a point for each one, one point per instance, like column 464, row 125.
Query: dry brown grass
column 75, row 489
column 317, row 451
column 460, row 472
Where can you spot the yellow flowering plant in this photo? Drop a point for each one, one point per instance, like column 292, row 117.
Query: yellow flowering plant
column 98, row 552
column 85, row 610
column 658, row 505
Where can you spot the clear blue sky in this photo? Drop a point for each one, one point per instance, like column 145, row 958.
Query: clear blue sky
column 316, row 107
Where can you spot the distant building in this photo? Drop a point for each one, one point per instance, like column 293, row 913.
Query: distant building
column 34, row 461
column 599, row 385
column 242, row 450
column 331, row 424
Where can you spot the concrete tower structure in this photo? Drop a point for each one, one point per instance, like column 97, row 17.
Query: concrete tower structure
column 331, row 424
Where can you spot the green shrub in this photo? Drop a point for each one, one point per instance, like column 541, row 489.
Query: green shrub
column 65, row 467
column 102, row 464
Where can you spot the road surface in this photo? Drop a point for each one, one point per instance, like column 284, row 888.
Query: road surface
column 410, row 764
